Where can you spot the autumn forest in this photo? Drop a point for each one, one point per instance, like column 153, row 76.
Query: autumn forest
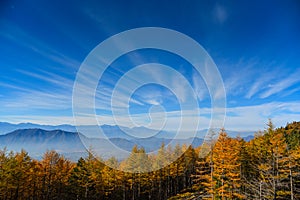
column 266, row 167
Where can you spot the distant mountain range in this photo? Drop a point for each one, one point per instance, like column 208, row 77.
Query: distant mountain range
column 115, row 131
column 73, row 145
column 38, row 141
column 65, row 139
column 6, row 127
column 91, row 130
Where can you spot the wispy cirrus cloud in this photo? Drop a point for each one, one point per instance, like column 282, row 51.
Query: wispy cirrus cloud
column 22, row 38
column 256, row 78
column 263, row 80
column 240, row 76
column 54, row 79
column 199, row 86
column 290, row 92
column 282, row 85
column 241, row 118
column 55, row 94
column 44, row 90
column 255, row 117
column 27, row 99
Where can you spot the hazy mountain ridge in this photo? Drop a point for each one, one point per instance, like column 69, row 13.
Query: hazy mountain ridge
column 113, row 131
column 6, row 127
column 38, row 141
column 110, row 131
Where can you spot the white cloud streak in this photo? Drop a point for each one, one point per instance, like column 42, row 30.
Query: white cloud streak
column 282, row 85
column 246, row 118
column 24, row 39
column 261, row 83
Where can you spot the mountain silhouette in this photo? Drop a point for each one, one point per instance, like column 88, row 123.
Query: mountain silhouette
column 74, row 145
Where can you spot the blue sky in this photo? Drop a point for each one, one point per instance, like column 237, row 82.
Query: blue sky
column 255, row 45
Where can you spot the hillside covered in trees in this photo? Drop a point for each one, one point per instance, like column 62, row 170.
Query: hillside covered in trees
column 266, row 167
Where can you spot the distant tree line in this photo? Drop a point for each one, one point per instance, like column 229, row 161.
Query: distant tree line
column 267, row 167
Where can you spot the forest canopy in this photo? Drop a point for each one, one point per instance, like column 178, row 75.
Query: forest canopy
column 266, row 167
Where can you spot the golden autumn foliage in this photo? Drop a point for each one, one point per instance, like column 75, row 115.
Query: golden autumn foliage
column 266, row 167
